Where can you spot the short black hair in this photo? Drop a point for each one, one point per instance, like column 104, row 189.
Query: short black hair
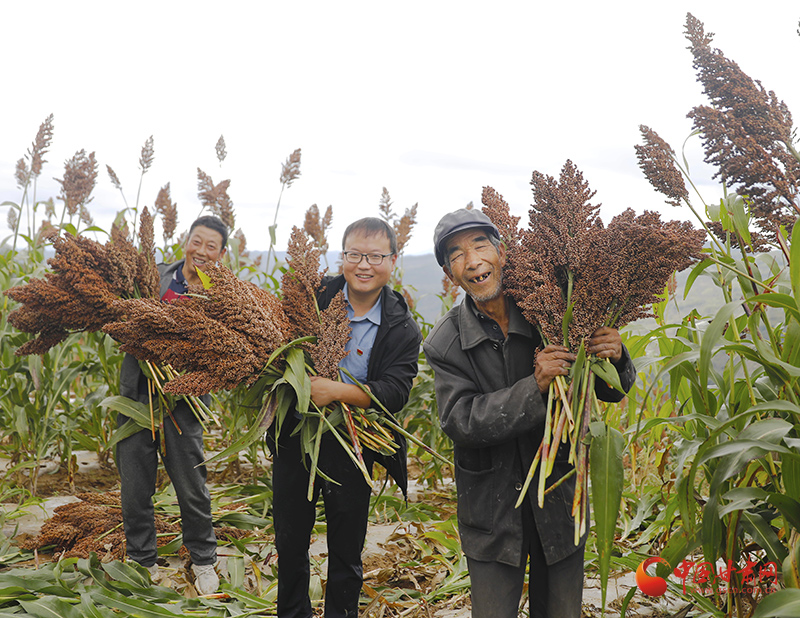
column 212, row 223
column 372, row 226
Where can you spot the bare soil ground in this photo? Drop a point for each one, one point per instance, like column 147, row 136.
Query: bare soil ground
column 392, row 558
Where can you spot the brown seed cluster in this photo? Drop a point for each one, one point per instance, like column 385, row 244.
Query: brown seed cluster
column 747, row 133
column 566, row 258
column 168, row 212
column 317, row 227
column 333, row 333
column 300, row 283
column 220, row 337
column 112, row 175
column 12, row 219
column 242, row 240
column 147, row 277
column 223, row 336
column 646, row 252
column 74, row 528
column 496, row 208
column 385, row 205
column 80, row 176
column 216, row 198
column 95, row 525
column 41, row 145
column 404, row 226
column 21, row 173
column 657, row 161
column 79, row 294
column 291, row 169
column 450, row 290
column 46, row 231
column 147, row 155
column 220, row 149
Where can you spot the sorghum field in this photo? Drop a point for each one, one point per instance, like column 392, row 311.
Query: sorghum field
column 697, row 468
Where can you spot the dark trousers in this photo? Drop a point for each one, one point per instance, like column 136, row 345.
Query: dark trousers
column 137, row 462
column 555, row 591
column 346, row 512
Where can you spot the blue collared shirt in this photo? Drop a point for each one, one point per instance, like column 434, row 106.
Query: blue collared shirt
column 365, row 329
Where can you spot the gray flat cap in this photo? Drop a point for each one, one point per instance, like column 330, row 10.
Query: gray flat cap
column 458, row 221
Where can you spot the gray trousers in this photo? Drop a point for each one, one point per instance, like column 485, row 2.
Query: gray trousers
column 137, row 462
column 555, row 591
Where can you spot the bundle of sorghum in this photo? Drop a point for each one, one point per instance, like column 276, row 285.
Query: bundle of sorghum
column 219, row 337
column 87, row 279
column 566, row 259
column 223, row 333
column 229, row 333
column 570, row 275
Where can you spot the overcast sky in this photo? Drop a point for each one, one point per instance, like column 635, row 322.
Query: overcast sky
column 432, row 100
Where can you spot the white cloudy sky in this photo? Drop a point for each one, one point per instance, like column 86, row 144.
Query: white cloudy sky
column 432, row 100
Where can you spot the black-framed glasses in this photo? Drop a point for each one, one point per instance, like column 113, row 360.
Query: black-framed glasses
column 375, row 259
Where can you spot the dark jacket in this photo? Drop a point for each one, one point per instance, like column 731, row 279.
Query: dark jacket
column 392, row 364
column 491, row 407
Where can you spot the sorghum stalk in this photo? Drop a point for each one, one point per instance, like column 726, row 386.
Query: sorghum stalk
column 529, row 478
column 351, row 429
column 347, row 450
column 545, row 454
column 312, row 472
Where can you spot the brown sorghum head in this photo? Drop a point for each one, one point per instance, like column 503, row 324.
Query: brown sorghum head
column 41, row 145
column 317, row 227
column 147, row 155
column 216, row 198
column 113, row 177
column 221, row 336
column 80, row 175
column 403, row 227
column 291, row 169
column 385, row 205
column 21, row 174
column 147, row 277
column 300, row 283
column 610, row 275
column 220, row 148
column 168, row 212
column 657, row 161
column 747, row 133
column 333, row 333
column 73, row 297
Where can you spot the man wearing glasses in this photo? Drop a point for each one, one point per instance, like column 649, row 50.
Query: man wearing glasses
column 383, row 352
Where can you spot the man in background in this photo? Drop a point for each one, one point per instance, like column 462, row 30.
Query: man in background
column 137, row 455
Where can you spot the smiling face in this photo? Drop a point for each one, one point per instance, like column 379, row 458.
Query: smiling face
column 475, row 264
column 364, row 281
column 204, row 247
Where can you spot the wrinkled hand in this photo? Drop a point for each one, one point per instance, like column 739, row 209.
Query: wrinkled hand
column 554, row 360
column 605, row 342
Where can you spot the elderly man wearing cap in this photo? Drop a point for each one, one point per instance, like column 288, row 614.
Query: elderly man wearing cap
column 491, row 389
